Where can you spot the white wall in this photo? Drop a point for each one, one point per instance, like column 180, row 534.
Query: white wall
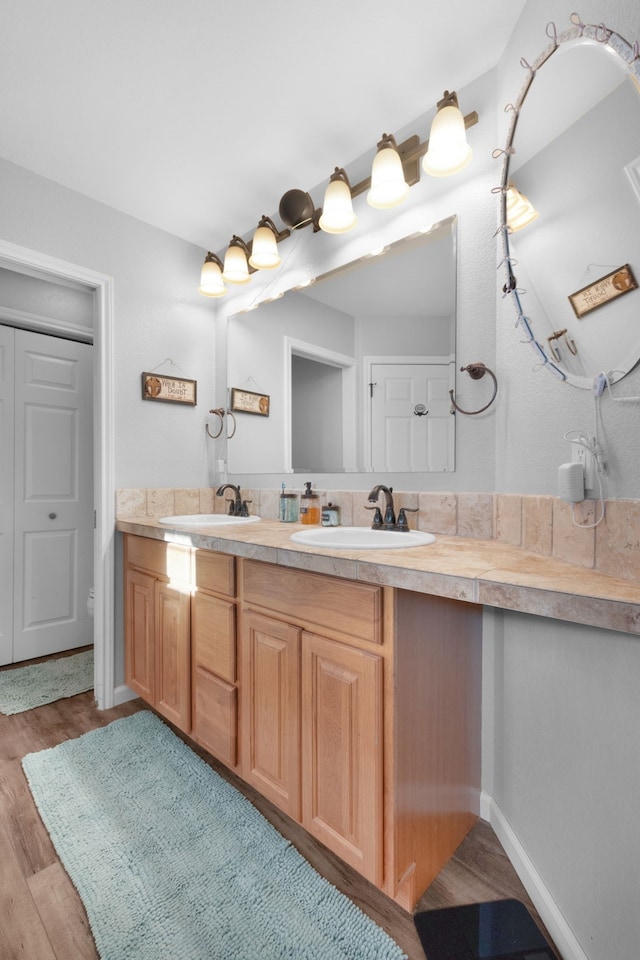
column 158, row 314
column 560, row 753
column 566, row 772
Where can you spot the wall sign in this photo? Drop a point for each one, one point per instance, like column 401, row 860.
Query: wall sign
column 168, row 389
column 602, row 291
column 244, row 401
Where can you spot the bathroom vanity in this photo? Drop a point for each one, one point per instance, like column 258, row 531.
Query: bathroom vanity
column 345, row 686
column 353, row 707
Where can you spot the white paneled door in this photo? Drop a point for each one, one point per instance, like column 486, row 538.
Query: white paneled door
column 6, row 492
column 411, row 423
column 52, row 482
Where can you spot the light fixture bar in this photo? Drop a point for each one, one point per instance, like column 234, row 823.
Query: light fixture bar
column 410, row 151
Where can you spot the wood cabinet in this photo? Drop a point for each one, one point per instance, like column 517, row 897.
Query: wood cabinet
column 342, row 753
column 157, row 631
column 312, row 706
column 271, row 709
column 360, row 714
column 355, row 708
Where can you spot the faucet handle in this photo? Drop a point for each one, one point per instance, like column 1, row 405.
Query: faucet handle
column 402, row 523
column 377, row 518
column 244, row 510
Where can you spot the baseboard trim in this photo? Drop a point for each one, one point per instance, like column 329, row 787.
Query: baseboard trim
column 550, row 913
column 122, row 694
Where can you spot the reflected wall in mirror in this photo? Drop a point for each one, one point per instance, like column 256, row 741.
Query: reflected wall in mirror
column 575, row 142
column 358, row 366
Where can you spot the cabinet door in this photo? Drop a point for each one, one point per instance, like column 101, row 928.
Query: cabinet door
column 140, row 634
column 173, row 654
column 271, row 710
column 342, row 785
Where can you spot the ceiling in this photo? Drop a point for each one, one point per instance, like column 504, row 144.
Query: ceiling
column 197, row 115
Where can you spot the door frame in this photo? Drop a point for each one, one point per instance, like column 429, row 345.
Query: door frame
column 24, row 259
column 345, row 363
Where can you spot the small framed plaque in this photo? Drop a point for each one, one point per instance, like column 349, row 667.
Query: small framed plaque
column 596, row 294
column 244, row 401
column 168, row 389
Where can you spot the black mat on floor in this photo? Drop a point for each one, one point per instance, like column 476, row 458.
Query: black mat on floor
column 501, row 930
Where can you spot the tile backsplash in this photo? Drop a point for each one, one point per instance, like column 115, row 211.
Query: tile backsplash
column 543, row 525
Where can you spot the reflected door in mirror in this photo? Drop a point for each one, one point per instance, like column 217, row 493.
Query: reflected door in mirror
column 412, row 428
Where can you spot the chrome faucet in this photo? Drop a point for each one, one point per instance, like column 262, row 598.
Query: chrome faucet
column 237, row 506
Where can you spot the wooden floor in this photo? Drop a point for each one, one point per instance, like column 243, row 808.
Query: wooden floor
column 42, row 918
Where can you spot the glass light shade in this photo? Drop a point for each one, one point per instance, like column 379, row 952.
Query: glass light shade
column 388, row 185
column 448, row 150
column 337, row 211
column 520, row 210
column 236, row 268
column 264, row 250
column 211, row 283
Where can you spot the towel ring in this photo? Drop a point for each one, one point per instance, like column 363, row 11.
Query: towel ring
column 476, row 371
column 220, row 412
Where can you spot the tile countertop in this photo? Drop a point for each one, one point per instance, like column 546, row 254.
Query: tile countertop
column 478, row 571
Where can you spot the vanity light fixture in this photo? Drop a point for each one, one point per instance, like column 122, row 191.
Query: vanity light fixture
column 388, row 184
column 236, row 264
column 337, row 212
column 211, row 282
column 448, row 150
column 395, row 168
column 520, row 210
column 264, row 246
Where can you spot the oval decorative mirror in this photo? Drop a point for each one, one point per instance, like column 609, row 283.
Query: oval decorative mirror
column 570, row 206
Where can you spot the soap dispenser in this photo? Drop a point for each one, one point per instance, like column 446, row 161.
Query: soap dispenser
column 309, row 505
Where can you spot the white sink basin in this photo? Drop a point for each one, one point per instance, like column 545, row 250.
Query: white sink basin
column 362, row 538
column 205, row 520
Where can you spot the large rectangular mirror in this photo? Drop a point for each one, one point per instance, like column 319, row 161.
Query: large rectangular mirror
column 357, row 366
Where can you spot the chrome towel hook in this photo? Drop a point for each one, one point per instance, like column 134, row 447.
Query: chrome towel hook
column 476, row 371
column 220, row 412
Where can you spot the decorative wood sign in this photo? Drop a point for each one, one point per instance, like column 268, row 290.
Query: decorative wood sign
column 168, row 389
column 244, row 401
column 602, row 291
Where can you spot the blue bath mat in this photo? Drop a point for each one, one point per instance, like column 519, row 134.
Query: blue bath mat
column 172, row 863
column 27, row 687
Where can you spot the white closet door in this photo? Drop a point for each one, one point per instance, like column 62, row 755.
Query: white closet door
column 53, row 495
column 7, row 336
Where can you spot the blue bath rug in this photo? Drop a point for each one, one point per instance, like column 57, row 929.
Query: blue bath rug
column 38, row 683
column 172, row 863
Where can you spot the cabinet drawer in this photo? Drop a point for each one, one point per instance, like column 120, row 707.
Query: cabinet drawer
column 216, row 572
column 171, row 561
column 213, row 635
column 215, row 716
column 352, row 609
